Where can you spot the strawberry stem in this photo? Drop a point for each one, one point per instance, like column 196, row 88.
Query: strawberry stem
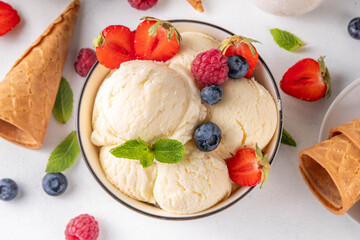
column 326, row 75
column 98, row 41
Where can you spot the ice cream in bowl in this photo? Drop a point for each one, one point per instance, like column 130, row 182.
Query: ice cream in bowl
column 190, row 141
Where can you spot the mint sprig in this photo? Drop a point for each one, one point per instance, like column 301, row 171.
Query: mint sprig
column 163, row 150
column 64, row 155
column 287, row 139
column 63, row 106
column 286, row 39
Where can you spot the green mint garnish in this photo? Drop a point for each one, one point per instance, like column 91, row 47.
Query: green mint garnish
column 286, row 40
column 163, row 150
column 287, row 139
column 64, row 155
column 63, row 106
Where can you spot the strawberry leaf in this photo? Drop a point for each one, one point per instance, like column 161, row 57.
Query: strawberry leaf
column 286, row 40
column 287, row 139
column 63, row 106
column 326, row 75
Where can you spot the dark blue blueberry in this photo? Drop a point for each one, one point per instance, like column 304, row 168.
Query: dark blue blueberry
column 354, row 28
column 8, row 189
column 54, row 184
column 211, row 94
column 207, row 136
column 238, row 66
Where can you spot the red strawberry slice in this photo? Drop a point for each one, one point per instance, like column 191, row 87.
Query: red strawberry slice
column 114, row 46
column 239, row 45
column 9, row 18
column 156, row 40
column 249, row 167
column 308, row 80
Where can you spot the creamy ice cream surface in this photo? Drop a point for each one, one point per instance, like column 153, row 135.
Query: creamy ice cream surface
column 287, row 7
column 246, row 115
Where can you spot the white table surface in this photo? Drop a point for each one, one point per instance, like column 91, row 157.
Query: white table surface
column 283, row 209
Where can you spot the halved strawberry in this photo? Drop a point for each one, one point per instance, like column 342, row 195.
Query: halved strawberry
column 249, row 167
column 156, row 40
column 308, row 80
column 9, row 18
column 114, row 46
column 239, row 45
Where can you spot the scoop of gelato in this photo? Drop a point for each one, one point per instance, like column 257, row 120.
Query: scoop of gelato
column 287, row 7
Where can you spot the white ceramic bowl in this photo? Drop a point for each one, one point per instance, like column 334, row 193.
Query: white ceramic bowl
column 287, row 7
column 91, row 153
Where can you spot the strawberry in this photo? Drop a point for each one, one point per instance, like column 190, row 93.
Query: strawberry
column 239, row 45
column 114, row 46
column 308, row 80
column 156, row 40
column 9, row 18
column 249, row 167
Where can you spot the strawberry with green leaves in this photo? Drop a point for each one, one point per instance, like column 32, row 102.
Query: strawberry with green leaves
column 156, row 40
column 242, row 46
column 249, row 167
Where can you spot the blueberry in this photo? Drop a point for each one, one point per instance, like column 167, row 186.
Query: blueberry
column 207, row 136
column 211, row 94
column 238, row 66
column 54, row 184
column 354, row 28
column 8, row 189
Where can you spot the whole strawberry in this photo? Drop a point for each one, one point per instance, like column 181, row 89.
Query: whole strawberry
column 9, row 18
column 83, row 227
column 307, row 80
column 249, row 167
column 142, row 4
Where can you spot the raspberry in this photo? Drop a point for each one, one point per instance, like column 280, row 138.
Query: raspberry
column 142, row 4
column 83, row 227
column 210, row 67
column 85, row 61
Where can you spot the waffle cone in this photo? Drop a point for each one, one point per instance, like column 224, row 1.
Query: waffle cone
column 197, row 4
column 331, row 168
column 28, row 91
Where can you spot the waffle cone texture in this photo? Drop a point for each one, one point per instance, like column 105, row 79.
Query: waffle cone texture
column 331, row 169
column 197, row 4
column 29, row 89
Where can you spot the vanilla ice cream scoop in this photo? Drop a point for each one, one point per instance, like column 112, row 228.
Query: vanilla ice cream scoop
column 196, row 183
column 149, row 100
column 287, row 7
column 129, row 176
column 246, row 115
column 192, row 44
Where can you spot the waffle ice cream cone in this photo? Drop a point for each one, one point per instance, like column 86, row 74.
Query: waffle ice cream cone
column 28, row 91
column 331, row 168
column 197, row 4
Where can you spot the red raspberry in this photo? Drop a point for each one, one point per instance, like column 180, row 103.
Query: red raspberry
column 85, row 61
column 210, row 67
column 142, row 4
column 83, row 227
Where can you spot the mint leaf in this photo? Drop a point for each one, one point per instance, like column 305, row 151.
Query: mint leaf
column 64, row 102
column 287, row 139
column 132, row 149
column 147, row 159
column 286, row 40
column 168, row 151
column 64, row 155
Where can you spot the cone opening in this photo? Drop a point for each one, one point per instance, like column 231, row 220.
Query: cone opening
column 321, row 183
column 16, row 135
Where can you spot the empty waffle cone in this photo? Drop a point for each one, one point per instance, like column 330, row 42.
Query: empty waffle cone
column 197, row 4
column 28, row 91
column 331, row 168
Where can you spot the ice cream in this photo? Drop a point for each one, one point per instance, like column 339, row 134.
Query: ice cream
column 198, row 182
column 246, row 115
column 287, row 7
column 192, row 44
column 149, row 100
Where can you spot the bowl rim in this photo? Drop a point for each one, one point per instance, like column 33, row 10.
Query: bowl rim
column 180, row 217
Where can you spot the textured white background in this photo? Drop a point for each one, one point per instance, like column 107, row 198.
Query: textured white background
column 283, row 209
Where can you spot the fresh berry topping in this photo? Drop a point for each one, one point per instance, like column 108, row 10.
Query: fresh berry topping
column 83, row 227
column 114, row 46
column 238, row 66
column 9, row 18
column 249, row 167
column 210, row 67
column 86, row 59
column 8, row 189
column 207, row 136
column 238, row 45
column 211, row 94
column 54, row 184
column 156, row 40
column 354, row 28
column 142, row 4
column 308, row 80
